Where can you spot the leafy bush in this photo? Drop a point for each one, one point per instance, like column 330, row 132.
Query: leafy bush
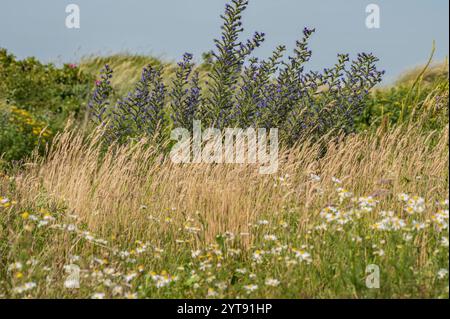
column 430, row 74
column 243, row 91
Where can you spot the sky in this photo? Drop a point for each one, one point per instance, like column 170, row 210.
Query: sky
column 168, row 28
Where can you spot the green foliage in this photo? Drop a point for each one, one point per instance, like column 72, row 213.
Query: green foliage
column 20, row 134
column 409, row 101
column 266, row 94
column 43, row 89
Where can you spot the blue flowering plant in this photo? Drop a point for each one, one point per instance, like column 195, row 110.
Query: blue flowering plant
column 240, row 90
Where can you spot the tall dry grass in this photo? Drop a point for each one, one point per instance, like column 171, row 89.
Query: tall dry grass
column 129, row 186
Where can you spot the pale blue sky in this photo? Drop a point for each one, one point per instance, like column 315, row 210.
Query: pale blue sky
column 168, row 28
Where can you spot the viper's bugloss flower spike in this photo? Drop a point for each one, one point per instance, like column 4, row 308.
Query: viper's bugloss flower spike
column 240, row 90
column 185, row 95
column 99, row 102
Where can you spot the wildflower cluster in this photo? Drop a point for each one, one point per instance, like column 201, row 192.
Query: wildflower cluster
column 268, row 257
column 140, row 112
column 27, row 123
